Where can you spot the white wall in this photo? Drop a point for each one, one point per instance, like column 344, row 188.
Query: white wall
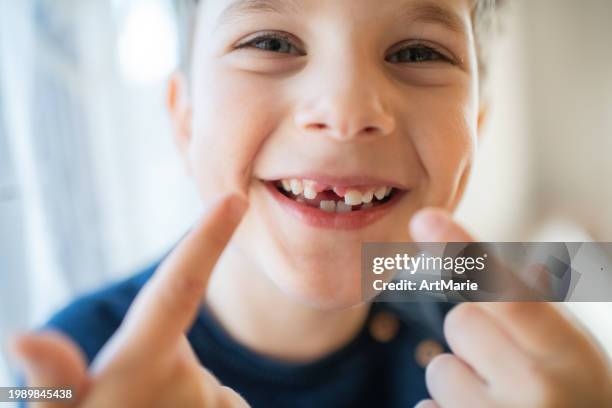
column 497, row 204
column 545, row 166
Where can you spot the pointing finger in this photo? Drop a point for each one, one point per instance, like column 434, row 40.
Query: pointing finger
column 167, row 305
column 437, row 225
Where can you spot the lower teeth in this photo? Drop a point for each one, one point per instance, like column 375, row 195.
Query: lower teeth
column 341, row 207
column 328, row 206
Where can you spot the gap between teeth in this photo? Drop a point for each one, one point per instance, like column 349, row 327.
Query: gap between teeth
column 351, row 198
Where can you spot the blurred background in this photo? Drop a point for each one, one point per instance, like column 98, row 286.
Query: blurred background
column 91, row 188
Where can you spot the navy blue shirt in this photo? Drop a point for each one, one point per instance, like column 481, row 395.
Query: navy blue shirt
column 378, row 368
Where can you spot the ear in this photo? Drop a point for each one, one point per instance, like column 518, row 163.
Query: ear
column 483, row 115
column 179, row 107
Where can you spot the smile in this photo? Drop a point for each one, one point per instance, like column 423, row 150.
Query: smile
column 334, row 199
column 339, row 205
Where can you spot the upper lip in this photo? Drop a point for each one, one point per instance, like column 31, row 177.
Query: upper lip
column 354, row 180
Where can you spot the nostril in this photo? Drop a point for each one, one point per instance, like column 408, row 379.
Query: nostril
column 317, row 126
column 370, row 129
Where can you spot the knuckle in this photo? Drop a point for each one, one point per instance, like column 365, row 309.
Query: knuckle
column 181, row 293
column 189, row 286
column 513, row 308
column 535, row 310
column 216, row 242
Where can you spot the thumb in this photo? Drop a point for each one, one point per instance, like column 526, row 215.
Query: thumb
column 51, row 360
column 437, row 225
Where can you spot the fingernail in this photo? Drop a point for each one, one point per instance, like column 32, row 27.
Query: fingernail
column 428, row 225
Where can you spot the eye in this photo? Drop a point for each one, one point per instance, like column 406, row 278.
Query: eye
column 272, row 42
column 417, row 53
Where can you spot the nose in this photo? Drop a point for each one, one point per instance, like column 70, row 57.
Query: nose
column 345, row 105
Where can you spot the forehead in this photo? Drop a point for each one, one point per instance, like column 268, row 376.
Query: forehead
column 454, row 15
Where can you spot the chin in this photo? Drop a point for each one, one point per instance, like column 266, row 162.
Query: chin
column 313, row 256
column 326, row 273
column 330, row 280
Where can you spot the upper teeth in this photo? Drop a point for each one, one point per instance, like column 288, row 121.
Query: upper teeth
column 354, row 197
column 286, row 185
column 381, row 192
column 310, row 193
column 351, row 197
column 296, row 186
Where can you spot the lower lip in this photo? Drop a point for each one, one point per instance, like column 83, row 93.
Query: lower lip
column 315, row 217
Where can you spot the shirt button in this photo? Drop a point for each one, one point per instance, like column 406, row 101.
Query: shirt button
column 426, row 351
column 384, row 327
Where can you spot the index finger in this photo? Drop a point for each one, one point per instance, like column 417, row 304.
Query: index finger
column 505, row 282
column 166, row 306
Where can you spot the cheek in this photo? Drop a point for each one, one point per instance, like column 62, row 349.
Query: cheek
column 233, row 114
column 445, row 142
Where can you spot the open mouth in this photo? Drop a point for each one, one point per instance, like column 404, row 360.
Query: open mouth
column 335, row 199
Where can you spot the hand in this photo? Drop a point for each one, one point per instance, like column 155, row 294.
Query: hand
column 148, row 362
column 511, row 354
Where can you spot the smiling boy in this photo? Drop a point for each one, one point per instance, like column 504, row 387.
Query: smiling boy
column 340, row 121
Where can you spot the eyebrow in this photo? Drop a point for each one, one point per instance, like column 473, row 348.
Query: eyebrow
column 434, row 13
column 240, row 8
column 423, row 11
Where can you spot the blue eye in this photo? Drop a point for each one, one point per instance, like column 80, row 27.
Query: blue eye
column 272, row 43
column 415, row 54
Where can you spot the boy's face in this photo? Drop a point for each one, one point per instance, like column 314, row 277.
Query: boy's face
column 351, row 95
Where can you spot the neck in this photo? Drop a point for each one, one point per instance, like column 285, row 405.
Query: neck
column 256, row 313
